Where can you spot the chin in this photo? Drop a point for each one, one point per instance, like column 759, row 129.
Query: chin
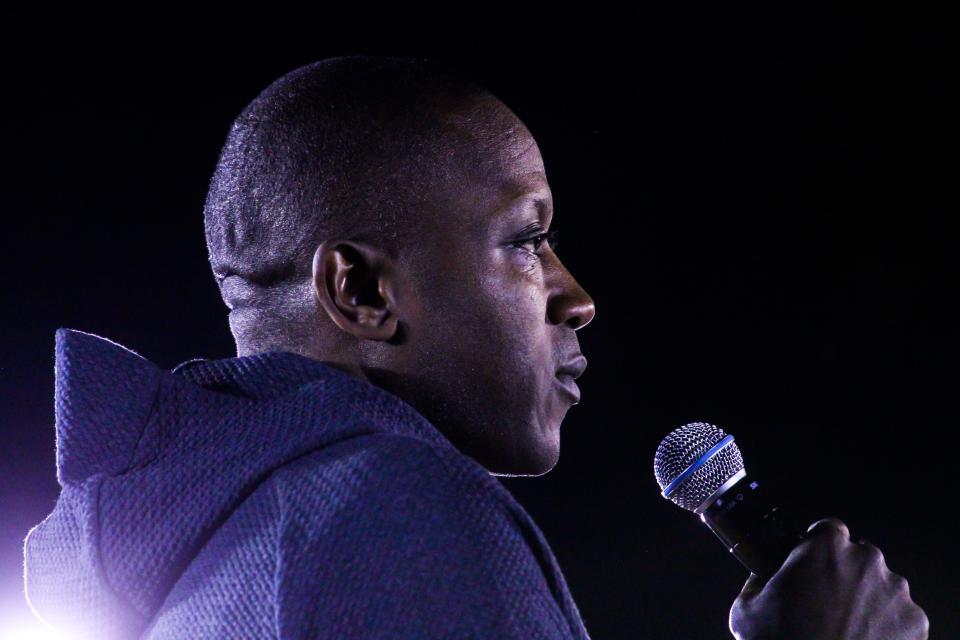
column 535, row 463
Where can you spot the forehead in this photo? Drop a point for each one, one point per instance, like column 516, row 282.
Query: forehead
column 498, row 169
column 520, row 184
column 525, row 191
column 515, row 186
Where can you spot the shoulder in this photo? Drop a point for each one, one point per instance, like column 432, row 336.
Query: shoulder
column 367, row 478
column 390, row 533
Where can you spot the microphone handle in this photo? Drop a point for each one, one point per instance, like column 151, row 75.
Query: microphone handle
column 752, row 528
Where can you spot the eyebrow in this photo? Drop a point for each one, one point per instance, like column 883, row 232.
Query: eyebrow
column 522, row 201
column 541, row 205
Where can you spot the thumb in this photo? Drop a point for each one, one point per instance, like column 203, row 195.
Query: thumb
column 752, row 587
column 836, row 523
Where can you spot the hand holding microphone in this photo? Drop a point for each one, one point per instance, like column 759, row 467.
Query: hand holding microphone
column 829, row 588
column 812, row 585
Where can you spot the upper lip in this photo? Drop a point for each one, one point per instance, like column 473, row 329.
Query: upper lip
column 574, row 367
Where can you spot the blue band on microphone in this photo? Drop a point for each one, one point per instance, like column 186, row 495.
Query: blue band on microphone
column 689, row 471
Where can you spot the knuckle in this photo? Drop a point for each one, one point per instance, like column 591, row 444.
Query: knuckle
column 899, row 583
column 921, row 624
column 829, row 524
column 833, row 527
column 873, row 555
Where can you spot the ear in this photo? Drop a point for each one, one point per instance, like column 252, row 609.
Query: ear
column 354, row 284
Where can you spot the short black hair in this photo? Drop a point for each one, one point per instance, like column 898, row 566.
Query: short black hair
column 349, row 146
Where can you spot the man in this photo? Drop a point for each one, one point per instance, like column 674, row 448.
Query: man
column 379, row 230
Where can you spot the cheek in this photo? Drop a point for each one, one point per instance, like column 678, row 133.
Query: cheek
column 514, row 280
column 522, row 268
column 489, row 306
column 516, row 320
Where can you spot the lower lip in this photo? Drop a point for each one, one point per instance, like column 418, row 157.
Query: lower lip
column 569, row 387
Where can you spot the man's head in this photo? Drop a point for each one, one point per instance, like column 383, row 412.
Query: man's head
column 382, row 215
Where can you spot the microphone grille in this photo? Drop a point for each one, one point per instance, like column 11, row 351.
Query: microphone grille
column 687, row 445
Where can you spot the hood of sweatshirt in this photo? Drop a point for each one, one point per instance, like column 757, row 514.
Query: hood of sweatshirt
column 151, row 461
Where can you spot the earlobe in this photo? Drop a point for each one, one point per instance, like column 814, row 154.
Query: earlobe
column 351, row 282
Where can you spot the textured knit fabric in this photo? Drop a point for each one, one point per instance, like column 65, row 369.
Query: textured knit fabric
column 273, row 496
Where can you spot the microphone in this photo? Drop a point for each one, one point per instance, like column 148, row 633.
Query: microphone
column 700, row 468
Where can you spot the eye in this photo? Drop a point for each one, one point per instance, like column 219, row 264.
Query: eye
column 550, row 238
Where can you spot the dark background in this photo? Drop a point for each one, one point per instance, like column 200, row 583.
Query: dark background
column 762, row 205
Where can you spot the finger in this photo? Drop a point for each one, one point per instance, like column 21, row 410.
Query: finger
column 835, row 523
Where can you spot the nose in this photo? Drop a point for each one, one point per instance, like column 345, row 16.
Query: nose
column 571, row 305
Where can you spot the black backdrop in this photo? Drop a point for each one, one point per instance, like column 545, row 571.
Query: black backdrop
column 762, row 205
